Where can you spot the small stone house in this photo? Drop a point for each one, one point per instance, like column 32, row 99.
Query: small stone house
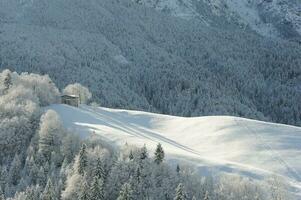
column 71, row 100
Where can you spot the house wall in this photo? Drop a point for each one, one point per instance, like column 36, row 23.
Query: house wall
column 70, row 101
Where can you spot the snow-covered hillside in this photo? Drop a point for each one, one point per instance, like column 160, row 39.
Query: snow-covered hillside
column 278, row 18
column 215, row 144
column 133, row 57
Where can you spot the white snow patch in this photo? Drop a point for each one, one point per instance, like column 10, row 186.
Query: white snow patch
column 218, row 144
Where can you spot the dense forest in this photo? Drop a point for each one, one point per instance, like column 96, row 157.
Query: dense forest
column 131, row 56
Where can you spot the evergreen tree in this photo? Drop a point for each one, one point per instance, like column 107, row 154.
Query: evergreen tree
column 178, row 168
column 99, row 171
column 41, row 177
column 206, row 197
column 3, row 177
column 31, row 193
column 125, row 192
column 131, row 156
column 49, row 193
column 137, row 174
column 97, row 190
column 2, row 197
column 84, row 192
column 7, row 82
column 83, row 160
column 180, row 193
column 14, row 171
column 143, row 153
column 159, row 154
column 50, row 134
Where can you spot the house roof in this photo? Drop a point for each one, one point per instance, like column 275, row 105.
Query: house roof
column 70, row 96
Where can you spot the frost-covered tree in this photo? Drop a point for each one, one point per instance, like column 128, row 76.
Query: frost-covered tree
column 125, row 192
column 159, row 154
column 2, row 197
column 82, row 160
column 84, row 192
column 42, row 86
column 180, row 193
column 74, row 186
column 49, row 192
column 77, row 89
column 32, row 193
column 99, row 171
column 3, row 177
column 50, row 133
column 131, row 156
column 15, row 169
column 178, row 169
column 143, row 153
column 19, row 114
column 97, row 189
column 7, row 82
column 206, row 197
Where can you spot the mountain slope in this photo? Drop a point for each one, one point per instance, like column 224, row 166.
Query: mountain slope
column 131, row 56
column 275, row 19
column 215, row 144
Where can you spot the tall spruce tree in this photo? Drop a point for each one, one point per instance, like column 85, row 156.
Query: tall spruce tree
column 32, row 193
column 99, row 171
column 14, row 171
column 131, row 156
column 126, row 192
column 84, row 192
column 7, row 82
column 49, row 192
column 178, row 169
column 159, row 154
column 180, row 193
column 206, row 197
column 143, row 153
column 2, row 197
column 97, row 189
column 83, row 160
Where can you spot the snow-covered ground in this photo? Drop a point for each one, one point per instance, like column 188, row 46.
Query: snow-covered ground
column 216, row 144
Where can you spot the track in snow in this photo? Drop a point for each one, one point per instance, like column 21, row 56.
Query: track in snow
column 216, row 144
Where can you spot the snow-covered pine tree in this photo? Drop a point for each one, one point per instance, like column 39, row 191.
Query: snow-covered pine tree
column 180, row 193
column 137, row 174
column 14, row 171
column 7, row 81
column 41, row 177
column 30, row 194
column 131, row 156
column 49, row 133
column 206, row 197
column 159, row 154
column 84, row 191
column 3, row 177
column 143, row 153
column 2, row 197
column 125, row 192
column 178, row 169
column 99, row 171
column 83, row 159
column 97, row 189
column 49, row 193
